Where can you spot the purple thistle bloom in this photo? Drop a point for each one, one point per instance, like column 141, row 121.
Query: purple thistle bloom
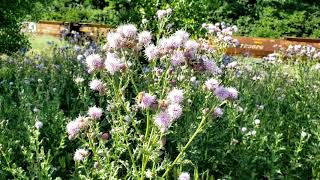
column 146, row 100
column 73, row 129
column 97, row 85
column 127, row 31
column 177, row 58
column 211, row 84
column 222, row 93
column 175, row 96
column 151, row 52
column 218, row 112
column 174, row 111
column 95, row 112
column 184, row 176
column 162, row 120
column 145, row 38
column 115, row 40
column 182, row 35
column 80, row 154
column 113, row 63
column 233, row 93
column 94, row 62
column 211, row 66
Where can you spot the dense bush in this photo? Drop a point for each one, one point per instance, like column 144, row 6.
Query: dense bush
column 261, row 18
column 12, row 14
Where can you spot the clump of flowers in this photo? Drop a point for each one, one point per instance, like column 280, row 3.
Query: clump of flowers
column 152, row 85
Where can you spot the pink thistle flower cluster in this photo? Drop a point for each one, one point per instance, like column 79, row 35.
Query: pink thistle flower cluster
column 145, row 38
column 223, row 32
column 164, row 13
column 80, row 154
column 221, row 92
column 97, row 85
column 81, row 123
column 94, row 62
column 171, row 111
column 146, row 100
column 124, row 36
column 113, row 63
column 95, row 112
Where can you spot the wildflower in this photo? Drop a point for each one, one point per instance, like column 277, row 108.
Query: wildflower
column 174, row 111
column 218, row 112
column 145, row 38
column 211, row 84
column 161, row 14
column 144, row 21
column 72, row 129
column 151, row 52
column 177, row 58
column 105, row 136
column 83, row 122
column 243, row 129
column 146, row 100
column 38, row 124
column 253, row 133
column 149, row 174
column 211, row 66
column 182, row 35
column 233, row 93
column 80, row 154
column 162, row 120
column 222, row 93
column 184, row 176
column 95, row 112
column 257, row 121
column 303, row 134
column 94, row 62
column 78, row 80
column 127, row 31
column 175, row 96
column 97, row 85
column 115, row 40
column 113, row 63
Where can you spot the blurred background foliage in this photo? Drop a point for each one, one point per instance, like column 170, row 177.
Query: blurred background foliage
column 255, row 18
column 261, row 18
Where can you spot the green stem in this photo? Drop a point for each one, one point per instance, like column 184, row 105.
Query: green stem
column 189, row 142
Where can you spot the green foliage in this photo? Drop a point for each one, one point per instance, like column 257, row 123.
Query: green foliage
column 12, row 14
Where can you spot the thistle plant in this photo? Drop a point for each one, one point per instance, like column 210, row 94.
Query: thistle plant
column 148, row 85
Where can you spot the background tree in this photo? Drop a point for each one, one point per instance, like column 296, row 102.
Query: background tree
column 13, row 13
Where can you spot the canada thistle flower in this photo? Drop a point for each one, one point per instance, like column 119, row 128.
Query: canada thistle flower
column 97, row 85
column 73, row 129
column 233, row 93
column 146, row 100
column 218, row 112
column 162, row 120
column 94, row 62
column 113, row 63
column 211, row 84
column 177, row 58
column 38, row 124
column 211, row 66
column 174, row 111
column 151, row 52
column 163, row 13
column 222, row 93
column 83, row 122
column 145, row 38
column 175, row 96
column 95, row 112
column 127, row 31
column 184, row 176
column 182, row 35
column 115, row 40
column 80, row 154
